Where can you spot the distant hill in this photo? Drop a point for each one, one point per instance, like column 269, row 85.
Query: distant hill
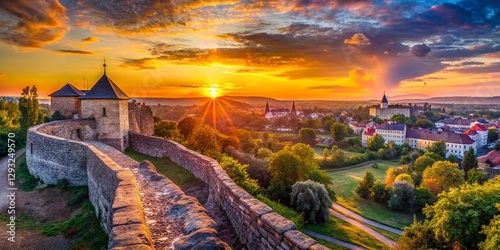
column 456, row 100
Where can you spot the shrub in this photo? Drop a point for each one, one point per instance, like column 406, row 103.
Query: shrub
column 238, row 173
column 405, row 159
column 378, row 192
column 364, row 186
column 312, row 199
column 405, row 177
column 264, row 153
column 401, row 196
column 423, row 196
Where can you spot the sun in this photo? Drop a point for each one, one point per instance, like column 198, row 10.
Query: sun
column 213, row 93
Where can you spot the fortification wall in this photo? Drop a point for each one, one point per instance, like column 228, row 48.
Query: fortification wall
column 140, row 118
column 256, row 224
column 112, row 190
column 51, row 156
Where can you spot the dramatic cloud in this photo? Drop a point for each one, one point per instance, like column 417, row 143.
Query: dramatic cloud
column 90, row 39
column 71, row 51
column 420, row 50
column 32, row 23
column 408, row 67
column 358, row 39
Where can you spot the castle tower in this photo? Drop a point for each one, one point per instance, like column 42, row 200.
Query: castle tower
column 108, row 105
column 294, row 111
column 66, row 101
column 384, row 103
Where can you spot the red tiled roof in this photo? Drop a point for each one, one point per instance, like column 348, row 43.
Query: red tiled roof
column 359, row 125
column 433, row 135
column 493, row 157
column 470, row 132
column 369, row 131
column 479, row 127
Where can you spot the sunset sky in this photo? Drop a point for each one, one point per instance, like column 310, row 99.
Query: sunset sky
column 298, row 49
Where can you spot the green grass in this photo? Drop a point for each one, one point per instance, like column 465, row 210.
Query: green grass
column 296, row 217
column 344, row 184
column 177, row 174
column 344, row 231
column 319, row 152
column 84, row 226
column 328, row 244
column 25, row 180
column 390, row 235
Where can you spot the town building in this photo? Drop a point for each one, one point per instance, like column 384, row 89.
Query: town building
column 456, row 144
column 384, row 112
column 479, row 133
column 279, row 112
column 492, row 159
column 357, row 127
column 394, row 132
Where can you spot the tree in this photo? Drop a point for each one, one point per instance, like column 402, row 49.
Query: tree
column 264, row 153
column 492, row 232
column 423, row 196
column 238, row 174
column 247, row 143
column 325, row 153
column 469, row 162
column 414, row 155
column 459, row 215
column 187, row 125
column 401, row 196
column 307, row 136
column 363, row 189
column 57, row 116
column 204, row 140
column 442, row 176
column 390, row 176
column 434, row 156
column 339, row 132
column 378, row 192
column 312, row 199
column 167, row 129
column 418, row 236
column 284, row 170
column 9, row 113
column 422, row 163
column 405, row 177
column 339, row 157
column 425, row 123
column 375, row 143
column 30, row 110
column 405, row 159
column 453, row 158
column 438, row 148
column 492, row 135
column 497, row 146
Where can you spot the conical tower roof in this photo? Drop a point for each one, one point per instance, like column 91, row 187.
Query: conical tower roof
column 67, row 90
column 384, row 99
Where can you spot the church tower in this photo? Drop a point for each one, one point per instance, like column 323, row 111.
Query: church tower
column 294, row 111
column 384, row 103
column 108, row 105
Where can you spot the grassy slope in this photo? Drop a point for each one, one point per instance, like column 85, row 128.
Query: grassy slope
column 344, row 184
column 319, row 152
column 84, row 226
column 177, row 174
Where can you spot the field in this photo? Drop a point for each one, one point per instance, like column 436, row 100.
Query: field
column 319, row 152
column 344, row 184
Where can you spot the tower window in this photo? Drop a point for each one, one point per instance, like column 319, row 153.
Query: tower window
column 103, row 111
column 79, row 134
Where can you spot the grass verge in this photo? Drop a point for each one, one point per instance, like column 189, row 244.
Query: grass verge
column 344, row 184
column 344, row 231
column 390, row 235
column 25, row 180
column 176, row 173
column 330, row 245
column 296, row 217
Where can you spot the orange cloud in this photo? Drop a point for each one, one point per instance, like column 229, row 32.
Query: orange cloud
column 358, row 39
column 90, row 39
column 33, row 23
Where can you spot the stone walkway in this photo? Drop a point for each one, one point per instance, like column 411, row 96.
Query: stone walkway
column 360, row 218
column 163, row 229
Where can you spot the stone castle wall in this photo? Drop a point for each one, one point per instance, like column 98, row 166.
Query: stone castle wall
column 66, row 105
column 140, row 118
column 112, row 190
column 256, row 224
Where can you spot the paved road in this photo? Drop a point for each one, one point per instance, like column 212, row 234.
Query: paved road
column 4, row 202
column 365, row 228
column 333, row 240
column 359, row 218
column 353, row 166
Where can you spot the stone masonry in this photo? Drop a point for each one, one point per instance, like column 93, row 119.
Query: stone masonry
column 256, row 224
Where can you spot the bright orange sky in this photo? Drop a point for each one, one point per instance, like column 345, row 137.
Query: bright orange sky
column 340, row 50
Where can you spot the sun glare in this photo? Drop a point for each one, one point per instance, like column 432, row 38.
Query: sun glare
column 213, row 93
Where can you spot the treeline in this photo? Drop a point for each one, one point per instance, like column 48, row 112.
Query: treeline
column 262, row 164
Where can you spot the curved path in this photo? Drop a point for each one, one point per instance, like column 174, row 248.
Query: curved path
column 360, row 165
column 365, row 228
column 362, row 219
column 333, row 240
column 4, row 200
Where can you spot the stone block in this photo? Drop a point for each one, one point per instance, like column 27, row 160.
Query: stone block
column 318, row 247
column 277, row 222
column 131, row 234
column 200, row 239
column 299, row 240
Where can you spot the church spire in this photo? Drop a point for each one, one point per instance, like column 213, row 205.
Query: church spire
column 294, row 111
column 267, row 108
column 104, row 65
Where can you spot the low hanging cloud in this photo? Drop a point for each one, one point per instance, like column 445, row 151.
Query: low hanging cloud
column 420, row 50
column 32, row 23
column 90, row 39
column 358, row 39
column 72, row 51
